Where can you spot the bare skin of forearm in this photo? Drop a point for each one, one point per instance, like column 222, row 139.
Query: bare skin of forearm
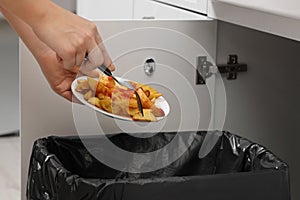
column 59, row 79
column 34, row 44
column 30, row 11
column 69, row 35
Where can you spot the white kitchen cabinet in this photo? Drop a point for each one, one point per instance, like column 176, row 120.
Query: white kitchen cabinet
column 105, row 9
column 277, row 17
column 199, row 6
column 145, row 9
column 142, row 9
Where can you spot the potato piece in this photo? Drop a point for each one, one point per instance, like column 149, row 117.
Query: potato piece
column 95, row 101
column 81, row 81
column 116, row 109
column 120, row 106
column 119, row 110
column 88, row 95
column 78, row 88
column 101, row 88
column 153, row 101
column 109, row 82
column 82, row 86
column 152, row 91
column 133, row 111
column 133, row 103
column 117, row 99
column 148, row 116
column 105, row 104
column 92, row 83
column 147, row 92
column 155, row 96
column 146, row 102
column 101, row 96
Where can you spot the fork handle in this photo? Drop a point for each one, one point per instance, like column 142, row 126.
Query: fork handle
column 105, row 70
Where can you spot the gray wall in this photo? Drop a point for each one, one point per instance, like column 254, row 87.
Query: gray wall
column 67, row 4
column 263, row 104
column 9, row 79
column 9, row 73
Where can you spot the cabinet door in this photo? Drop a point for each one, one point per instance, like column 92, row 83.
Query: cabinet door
column 145, row 9
column 105, row 9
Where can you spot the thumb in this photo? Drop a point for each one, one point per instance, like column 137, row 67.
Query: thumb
column 94, row 73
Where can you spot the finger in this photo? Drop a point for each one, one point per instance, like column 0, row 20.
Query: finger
column 59, row 59
column 107, row 59
column 80, row 58
column 75, row 69
column 68, row 58
column 95, row 58
column 67, row 95
column 75, row 100
column 79, row 74
column 94, row 73
column 93, row 43
column 98, row 37
column 70, row 97
column 112, row 67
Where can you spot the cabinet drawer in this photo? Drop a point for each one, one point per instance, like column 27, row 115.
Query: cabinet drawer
column 105, row 9
column 145, row 9
column 195, row 5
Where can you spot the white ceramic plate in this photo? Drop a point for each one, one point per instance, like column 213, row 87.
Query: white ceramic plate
column 160, row 102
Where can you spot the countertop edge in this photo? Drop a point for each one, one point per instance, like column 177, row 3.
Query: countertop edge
column 255, row 19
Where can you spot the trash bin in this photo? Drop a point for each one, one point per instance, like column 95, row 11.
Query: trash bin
column 216, row 166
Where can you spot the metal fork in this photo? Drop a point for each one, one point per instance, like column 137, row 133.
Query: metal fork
column 127, row 84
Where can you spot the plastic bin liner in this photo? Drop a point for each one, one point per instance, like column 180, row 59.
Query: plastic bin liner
column 216, row 165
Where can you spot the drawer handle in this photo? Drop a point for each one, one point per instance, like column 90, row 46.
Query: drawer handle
column 148, row 17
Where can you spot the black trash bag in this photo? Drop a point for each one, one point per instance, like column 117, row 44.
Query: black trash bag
column 216, row 165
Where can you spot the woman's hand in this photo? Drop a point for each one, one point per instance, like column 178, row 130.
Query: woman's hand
column 71, row 37
column 52, row 65
column 59, row 78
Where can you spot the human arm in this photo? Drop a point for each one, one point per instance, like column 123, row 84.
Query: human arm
column 59, row 78
column 71, row 37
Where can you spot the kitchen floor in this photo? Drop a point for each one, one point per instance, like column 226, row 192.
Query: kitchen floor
column 10, row 172
column 9, row 112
